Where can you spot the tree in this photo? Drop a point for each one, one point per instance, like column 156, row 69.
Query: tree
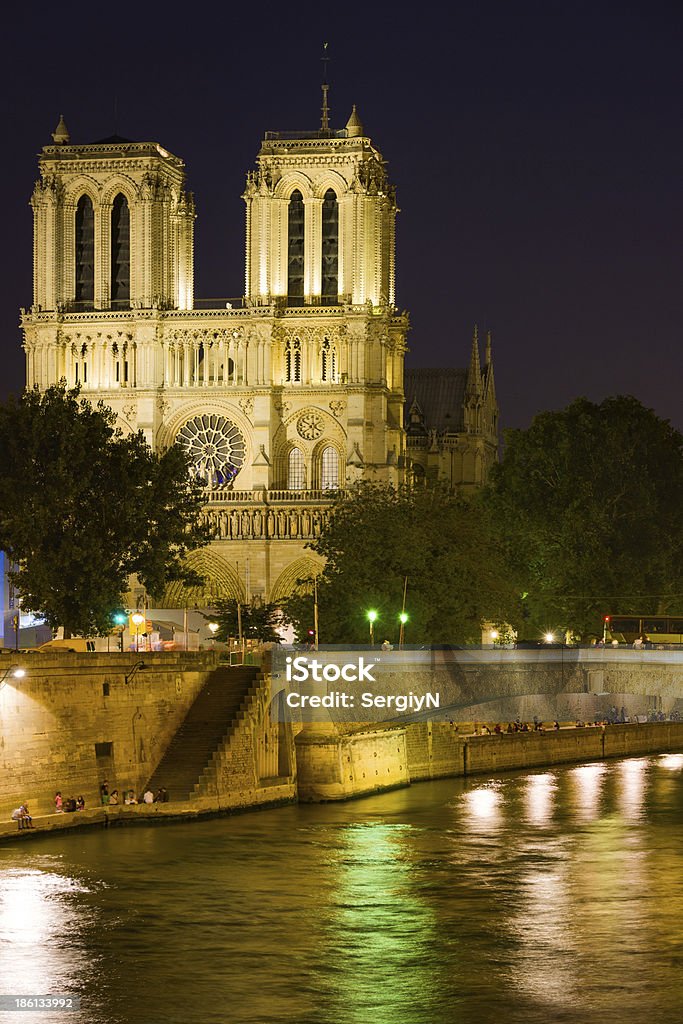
column 257, row 621
column 590, row 502
column 376, row 537
column 83, row 507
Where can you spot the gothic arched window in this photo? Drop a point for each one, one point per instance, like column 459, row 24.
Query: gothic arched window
column 328, row 368
column 293, row 361
column 329, row 469
column 330, row 250
column 296, row 471
column 85, row 251
column 120, row 252
column 295, row 249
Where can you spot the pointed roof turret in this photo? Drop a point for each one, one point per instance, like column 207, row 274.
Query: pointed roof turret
column 474, row 369
column 61, row 133
column 325, row 119
column 354, row 125
column 490, row 385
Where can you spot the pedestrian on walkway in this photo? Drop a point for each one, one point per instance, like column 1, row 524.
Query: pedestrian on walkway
column 22, row 817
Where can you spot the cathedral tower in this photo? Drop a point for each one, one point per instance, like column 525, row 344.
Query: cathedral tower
column 280, row 397
column 113, row 227
column 320, row 220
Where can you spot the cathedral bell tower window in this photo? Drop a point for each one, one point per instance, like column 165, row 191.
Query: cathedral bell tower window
column 85, row 253
column 293, row 362
column 330, row 250
column 328, row 368
column 295, row 250
column 120, row 253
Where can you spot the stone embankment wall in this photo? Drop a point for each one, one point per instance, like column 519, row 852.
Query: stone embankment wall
column 528, row 750
column 432, row 750
column 336, row 767
column 73, row 720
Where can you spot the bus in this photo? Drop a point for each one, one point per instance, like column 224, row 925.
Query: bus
column 654, row 629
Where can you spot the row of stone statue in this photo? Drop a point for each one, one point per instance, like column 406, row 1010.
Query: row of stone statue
column 257, row 524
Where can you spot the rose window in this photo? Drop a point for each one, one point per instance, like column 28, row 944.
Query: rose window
column 310, row 425
column 216, row 448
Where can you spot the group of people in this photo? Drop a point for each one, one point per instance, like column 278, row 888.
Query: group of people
column 148, row 797
column 516, row 726
column 71, row 804
column 24, row 820
column 612, row 718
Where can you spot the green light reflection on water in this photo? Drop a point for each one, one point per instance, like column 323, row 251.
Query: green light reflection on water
column 381, row 934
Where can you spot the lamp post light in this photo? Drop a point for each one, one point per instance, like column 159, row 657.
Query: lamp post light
column 372, row 619
column 403, row 618
column 137, row 620
column 15, row 671
column 137, row 667
column 315, row 612
column 214, row 627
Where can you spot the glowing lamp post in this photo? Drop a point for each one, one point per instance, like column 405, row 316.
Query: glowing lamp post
column 403, row 618
column 372, row 619
column 214, row 627
column 15, row 671
column 137, row 620
column 549, row 638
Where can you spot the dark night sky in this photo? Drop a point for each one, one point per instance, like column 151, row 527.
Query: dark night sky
column 537, row 159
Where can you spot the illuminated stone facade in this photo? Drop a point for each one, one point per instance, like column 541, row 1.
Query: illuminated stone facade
column 281, row 396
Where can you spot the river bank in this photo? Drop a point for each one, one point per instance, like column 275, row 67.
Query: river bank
column 345, row 767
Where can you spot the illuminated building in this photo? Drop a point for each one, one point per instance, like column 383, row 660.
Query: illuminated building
column 281, row 396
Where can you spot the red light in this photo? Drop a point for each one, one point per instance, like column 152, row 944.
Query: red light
column 607, row 618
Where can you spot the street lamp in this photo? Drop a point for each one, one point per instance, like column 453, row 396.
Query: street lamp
column 214, row 627
column 372, row 619
column 137, row 620
column 549, row 638
column 403, row 618
column 16, row 671
column 137, row 667
column 315, row 612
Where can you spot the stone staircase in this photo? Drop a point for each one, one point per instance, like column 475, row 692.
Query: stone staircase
column 217, row 710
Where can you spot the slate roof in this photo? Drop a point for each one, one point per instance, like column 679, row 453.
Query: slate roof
column 109, row 140
column 440, row 395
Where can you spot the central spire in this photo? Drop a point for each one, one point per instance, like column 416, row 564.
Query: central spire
column 325, row 119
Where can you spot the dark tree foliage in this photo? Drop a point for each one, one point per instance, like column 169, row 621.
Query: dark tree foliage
column 258, row 621
column 590, row 503
column 82, row 508
column 377, row 536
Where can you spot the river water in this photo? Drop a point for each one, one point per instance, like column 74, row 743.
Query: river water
column 546, row 896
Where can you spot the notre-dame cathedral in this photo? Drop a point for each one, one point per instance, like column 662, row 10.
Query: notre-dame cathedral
column 281, row 397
